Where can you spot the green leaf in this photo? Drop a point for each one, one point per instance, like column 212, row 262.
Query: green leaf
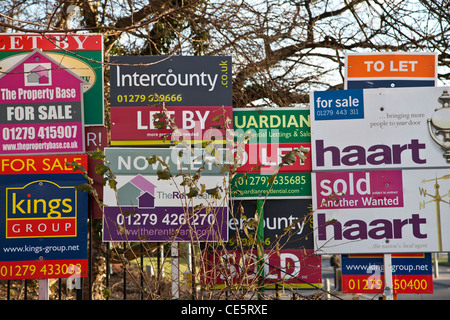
column 289, row 158
column 101, row 168
column 193, row 192
column 97, row 155
column 106, row 293
column 76, row 166
column 164, row 174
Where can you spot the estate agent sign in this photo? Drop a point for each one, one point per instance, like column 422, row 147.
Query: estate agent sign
column 41, row 108
column 390, row 69
column 381, row 211
column 147, row 208
column 273, row 133
column 195, row 91
column 44, row 219
column 81, row 54
column 381, row 128
column 390, row 209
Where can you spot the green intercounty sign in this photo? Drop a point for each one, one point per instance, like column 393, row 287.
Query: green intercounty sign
column 272, row 134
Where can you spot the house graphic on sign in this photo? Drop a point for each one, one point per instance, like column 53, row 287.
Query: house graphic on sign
column 146, row 200
column 38, row 69
column 137, row 192
column 39, row 74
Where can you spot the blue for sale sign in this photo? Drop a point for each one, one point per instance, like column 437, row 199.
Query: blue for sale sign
column 44, row 233
column 338, row 104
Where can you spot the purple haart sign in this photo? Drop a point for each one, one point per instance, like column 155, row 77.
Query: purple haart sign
column 41, row 108
column 389, row 211
column 161, row 224
column 387, row 128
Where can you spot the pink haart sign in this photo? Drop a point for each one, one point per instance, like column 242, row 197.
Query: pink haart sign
column 41, row 108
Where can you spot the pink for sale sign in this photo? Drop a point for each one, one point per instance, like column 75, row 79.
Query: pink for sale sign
column 41, row 108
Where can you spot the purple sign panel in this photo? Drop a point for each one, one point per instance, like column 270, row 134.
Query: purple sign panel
column 164, row 224
column 41, row 108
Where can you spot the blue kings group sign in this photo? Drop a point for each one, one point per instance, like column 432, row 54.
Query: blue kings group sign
column 45, row 223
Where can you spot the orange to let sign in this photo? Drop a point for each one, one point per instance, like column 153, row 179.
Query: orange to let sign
column 391, row 65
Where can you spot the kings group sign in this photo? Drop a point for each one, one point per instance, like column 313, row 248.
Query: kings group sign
column 45, row 218
column 411, row 273
column 195, row 91
column 41, row 108
column 81, row 54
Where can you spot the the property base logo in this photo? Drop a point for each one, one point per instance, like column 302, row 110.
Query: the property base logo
column 37, row 74
column 41, row 209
